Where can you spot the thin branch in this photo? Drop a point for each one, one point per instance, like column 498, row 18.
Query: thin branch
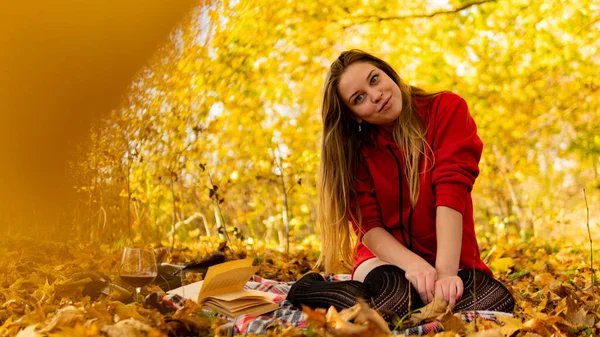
column 371, row 18
column 591, row 247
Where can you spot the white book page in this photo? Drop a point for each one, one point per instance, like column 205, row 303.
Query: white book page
column 189, row 291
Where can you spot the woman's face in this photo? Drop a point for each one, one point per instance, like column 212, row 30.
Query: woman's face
column 370, row 93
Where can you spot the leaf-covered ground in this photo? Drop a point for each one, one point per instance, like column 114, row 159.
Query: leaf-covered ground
column 550, row 281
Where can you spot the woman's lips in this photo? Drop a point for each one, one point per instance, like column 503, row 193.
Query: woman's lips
column 385, row 105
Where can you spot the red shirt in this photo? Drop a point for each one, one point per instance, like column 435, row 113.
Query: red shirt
column 452, row 136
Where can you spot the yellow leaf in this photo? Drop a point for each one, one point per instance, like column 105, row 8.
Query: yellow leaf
column 66, row 317
column 487, row 333
column 503, row 265
column 452, row 323
column 511, row 325
column 429, row 312
column 28, row 332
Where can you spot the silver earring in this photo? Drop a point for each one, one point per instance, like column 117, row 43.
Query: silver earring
column 359, row 127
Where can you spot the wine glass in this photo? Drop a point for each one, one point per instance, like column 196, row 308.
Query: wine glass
column 138, row 268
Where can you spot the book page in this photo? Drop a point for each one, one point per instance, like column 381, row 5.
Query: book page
column 189, row 291
column 246, row 294
column 254, row 310
column 226, row 277
column 236, row 305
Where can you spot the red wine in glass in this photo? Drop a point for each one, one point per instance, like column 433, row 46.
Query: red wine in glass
column 138, row 268
column 137, row 280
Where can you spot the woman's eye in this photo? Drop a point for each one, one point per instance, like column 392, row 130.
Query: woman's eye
column 374, row 79
column 359, row 98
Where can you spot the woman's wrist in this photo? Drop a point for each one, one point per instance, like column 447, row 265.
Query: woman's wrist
column 445, row 271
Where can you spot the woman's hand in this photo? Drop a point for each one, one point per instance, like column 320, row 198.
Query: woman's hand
column 422, row 276
column 449, row 288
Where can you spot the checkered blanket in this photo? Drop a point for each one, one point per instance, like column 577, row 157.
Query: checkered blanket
column 288, row 315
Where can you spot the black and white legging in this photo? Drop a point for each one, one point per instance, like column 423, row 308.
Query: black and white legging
column 386, row 289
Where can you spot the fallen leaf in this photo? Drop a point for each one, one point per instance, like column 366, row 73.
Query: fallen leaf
column 502, row 265
column 429, row 312
column 487, row 333
column 127, row 328
column 452, row 323
column 358, row 320
column 125, row 311
column 28, row 332
column 65, row 317
column 576, row 315
column 366, row 315
column 579, row 318
column 337, row 327
column 315, row 317
column 511, row 324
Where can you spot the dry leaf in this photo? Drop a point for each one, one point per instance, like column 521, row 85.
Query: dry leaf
column 28, row 332
column 502, row 265
column 487, row 333
column 337, row 327
column 452, row 323
column 429, row 312
column 579, row 318
column 576, row 315
column 125, row 311
column 315, row 317
column 446, row 334
column 377, row 325
column 127, row 328
column 367, row 322
column 66, row 317
column 511, row 324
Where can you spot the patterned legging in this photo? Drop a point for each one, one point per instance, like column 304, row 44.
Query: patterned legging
column 391, row 294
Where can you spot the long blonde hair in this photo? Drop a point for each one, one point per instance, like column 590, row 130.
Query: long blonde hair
column 340, row 154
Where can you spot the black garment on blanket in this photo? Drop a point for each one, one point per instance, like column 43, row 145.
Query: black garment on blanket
column 388, row 291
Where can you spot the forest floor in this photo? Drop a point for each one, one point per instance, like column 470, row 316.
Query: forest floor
column 551, row 282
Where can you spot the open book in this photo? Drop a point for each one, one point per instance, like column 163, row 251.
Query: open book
column 223, row 290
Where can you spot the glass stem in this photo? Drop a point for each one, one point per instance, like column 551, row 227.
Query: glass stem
column 138, row 291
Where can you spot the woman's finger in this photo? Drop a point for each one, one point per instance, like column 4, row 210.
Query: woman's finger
column 430, row 287
column 459, row 289
column 452, row 294
column 439, row 291
column 422, row 289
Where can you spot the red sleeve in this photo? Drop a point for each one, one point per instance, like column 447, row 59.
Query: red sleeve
column 457, row 150
column 366, row 201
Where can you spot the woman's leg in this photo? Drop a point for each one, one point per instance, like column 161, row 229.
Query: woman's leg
column 365, row 268
column 391, row 293
column 483, row 291
column 312, row 290
column 385, row 288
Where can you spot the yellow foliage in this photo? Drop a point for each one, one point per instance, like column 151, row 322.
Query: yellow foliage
column 502, row 265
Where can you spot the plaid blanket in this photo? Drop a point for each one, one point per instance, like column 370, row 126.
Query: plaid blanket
column 288, row 315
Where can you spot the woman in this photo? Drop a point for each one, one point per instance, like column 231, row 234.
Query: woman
column 399, row 164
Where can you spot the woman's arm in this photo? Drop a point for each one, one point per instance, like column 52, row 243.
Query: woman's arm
column 448, row 226
column 386, row 247
column 418, row 271
column 457, row 151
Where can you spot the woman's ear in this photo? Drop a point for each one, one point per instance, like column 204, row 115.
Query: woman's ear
column 358, row 120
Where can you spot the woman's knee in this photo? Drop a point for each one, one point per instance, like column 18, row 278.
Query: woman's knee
column 366, row 267
column 487, row 293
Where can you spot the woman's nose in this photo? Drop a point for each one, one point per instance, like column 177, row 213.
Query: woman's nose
column 376, row 96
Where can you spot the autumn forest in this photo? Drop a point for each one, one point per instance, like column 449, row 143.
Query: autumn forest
column 216, row 139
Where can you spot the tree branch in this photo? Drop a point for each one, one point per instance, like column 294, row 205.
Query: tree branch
column 371, row 18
